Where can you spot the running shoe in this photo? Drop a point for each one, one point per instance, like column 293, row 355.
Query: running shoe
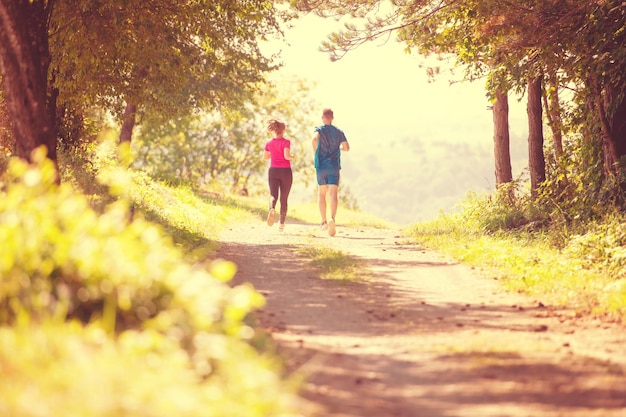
column 324, row 226
column 281, row 227
column 331, row 227
column 270, row 217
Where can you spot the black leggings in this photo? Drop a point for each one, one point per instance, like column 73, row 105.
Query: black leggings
column 280, row 180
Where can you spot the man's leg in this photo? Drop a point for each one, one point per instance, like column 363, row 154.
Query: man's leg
column 334, row 200
column 321, row 201
column 332, row 195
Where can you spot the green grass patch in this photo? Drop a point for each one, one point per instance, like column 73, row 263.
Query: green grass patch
column 334, row 264
column 529, row 263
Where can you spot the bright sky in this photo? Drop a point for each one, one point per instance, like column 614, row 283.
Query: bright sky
column 380, row 86
column 381, row 95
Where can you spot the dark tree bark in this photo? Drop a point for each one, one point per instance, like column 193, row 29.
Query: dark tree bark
column 618, row 123
column 609, row 149
column 501, row 140
column 24, row 62
column 552, row 106
column 7, row 141
column 536, row 159
column 128, row 123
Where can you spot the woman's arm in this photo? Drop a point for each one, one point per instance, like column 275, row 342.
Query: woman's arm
column 267, row 155
column 287, row 153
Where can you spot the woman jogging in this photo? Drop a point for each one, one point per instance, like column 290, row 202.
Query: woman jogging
column 280, row 177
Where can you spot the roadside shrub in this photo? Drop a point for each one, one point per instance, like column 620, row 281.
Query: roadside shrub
column 602, row 244
column 58, row 254
column 500, row 210
column 108, row 299
column 70, row 370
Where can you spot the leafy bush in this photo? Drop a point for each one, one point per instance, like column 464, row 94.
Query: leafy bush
column 602, row 243
column 71, row 370
column 162, row 337
column 58, row 253
column 501, row 210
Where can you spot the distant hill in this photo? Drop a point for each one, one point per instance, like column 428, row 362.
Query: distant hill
column 415, row 179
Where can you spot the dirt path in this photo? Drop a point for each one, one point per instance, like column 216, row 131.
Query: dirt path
column 424, row 336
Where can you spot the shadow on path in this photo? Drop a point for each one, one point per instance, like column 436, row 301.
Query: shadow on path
column 424, row 337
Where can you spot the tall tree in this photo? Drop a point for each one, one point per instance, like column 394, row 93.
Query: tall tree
column 597, row 62
column 552, row 105
column 161, row 61
column 7, row 143
column 536, row 159
column 501, row 139
column 157, row 61
column 24, row 62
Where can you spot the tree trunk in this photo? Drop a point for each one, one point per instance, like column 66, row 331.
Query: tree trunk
column 24, row 62
column 536, row 160
column 617, row 122
column 552, row 105
column 7, row 140
column 502, row 153
column 128, row 124
column 608, row 141
column 553, row 112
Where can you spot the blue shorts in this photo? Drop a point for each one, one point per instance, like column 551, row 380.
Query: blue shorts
column 328, row 176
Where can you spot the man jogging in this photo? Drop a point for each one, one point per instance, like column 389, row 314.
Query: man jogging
column 327, row 145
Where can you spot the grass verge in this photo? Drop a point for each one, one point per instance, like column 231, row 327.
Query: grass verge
column 528, row 263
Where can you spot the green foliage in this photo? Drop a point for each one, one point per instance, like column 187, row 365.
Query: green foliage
column 168, row 58
column 88, row 263
column 202, row 150
column 109, row 319
column 192, row 220
column 78, row 128
column 602, row 244
column 77, row 169
column 53, row 370
column 225, row 149
column 502, row 210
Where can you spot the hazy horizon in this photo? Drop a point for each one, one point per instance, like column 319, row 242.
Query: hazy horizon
column 417, row 147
